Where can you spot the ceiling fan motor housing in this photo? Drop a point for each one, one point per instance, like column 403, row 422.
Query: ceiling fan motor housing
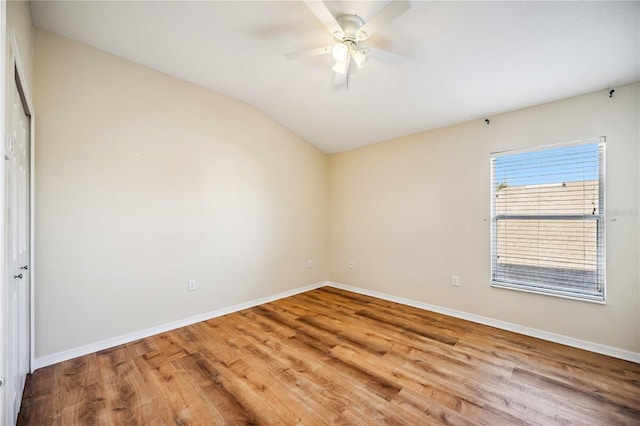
column 350, row 24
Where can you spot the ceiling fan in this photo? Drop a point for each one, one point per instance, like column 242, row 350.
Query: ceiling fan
column 349, row 31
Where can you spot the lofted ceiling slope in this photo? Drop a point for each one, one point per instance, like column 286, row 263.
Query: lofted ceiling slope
column 464, row 60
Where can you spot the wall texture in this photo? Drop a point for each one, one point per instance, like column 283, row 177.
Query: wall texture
column 413, row 211
column 145, row 181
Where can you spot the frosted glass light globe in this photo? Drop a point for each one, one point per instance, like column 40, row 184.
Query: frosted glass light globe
column 340, row 52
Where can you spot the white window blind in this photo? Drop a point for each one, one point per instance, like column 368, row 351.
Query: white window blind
column 548, row 220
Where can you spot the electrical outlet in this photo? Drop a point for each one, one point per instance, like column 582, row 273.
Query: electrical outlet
column 352, row 264
column 455, row 280
column 309, row 264
column 191, row 285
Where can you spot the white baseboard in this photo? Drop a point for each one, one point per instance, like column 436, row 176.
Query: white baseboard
column 527, row 331
column 141, row 334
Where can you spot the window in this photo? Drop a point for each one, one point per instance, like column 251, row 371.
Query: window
column 547, row 214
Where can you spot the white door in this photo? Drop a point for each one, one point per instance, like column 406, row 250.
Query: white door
column 23, row 248
column 17, row 248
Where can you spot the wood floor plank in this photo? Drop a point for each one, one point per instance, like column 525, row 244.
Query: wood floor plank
column 259, row 392
column 329, row 356
column 434, row 412
column 337, row 383
column 487, row 390
column 125, row 393
column 205, row 377
column 582, row 400
column 174, row 393
column 39, row 393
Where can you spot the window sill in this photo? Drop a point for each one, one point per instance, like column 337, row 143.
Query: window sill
column 562, row 296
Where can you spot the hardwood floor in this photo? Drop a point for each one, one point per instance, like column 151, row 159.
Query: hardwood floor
column 329, row 356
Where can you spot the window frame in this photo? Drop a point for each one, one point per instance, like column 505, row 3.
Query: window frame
column 600, row 219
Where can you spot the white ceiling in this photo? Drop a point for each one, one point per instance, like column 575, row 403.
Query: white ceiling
column 466, row 60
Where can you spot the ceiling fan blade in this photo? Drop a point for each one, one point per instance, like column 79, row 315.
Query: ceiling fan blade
column 385, row 56
column 325, row 17
column 339, row 79
column 308, row 53
column 383, row 18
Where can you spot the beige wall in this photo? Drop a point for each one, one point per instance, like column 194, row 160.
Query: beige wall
column 413, row 211
column 145, row 181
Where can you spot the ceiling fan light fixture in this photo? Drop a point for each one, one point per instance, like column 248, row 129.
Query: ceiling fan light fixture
column 360, row 57
column 341, row 67
column 340, row 52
